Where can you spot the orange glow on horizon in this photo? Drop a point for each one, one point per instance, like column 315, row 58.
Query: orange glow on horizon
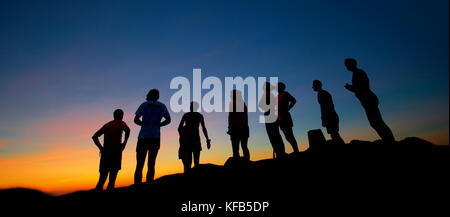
column 63, row 170
column 64, row 159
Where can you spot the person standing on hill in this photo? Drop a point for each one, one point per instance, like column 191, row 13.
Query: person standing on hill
column 190, row 144
column 268, row 104
column 111, row 151
column 152, row 111
column 285, row 102
column 330, row 119
column 238, row 125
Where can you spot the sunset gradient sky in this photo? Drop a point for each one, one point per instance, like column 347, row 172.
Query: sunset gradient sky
column 65, row 66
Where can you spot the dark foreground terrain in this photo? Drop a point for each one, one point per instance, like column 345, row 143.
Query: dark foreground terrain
column 359, row 178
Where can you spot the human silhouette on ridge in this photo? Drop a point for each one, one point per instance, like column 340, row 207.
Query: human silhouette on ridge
column 361, row 87
column 190, row 137
column 330, row 119
column 268, row 104
column 238, row 124
column 111, row 151
column 152, row 111
column 285, row 102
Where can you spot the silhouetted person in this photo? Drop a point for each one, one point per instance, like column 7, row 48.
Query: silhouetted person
column 152, row 111
column 190, row 137
column 238, row 124
column 285, row 102
column 360, row 86
column 330, row 119
column 268, row 104
column 111, row 151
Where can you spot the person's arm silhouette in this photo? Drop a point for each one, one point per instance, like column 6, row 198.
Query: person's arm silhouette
column 166, row 116
column 292, row 102
column 96, row 141
column 137, row 120
column 263, row 104
column 165, row 122
column 205, row 132
column 349, row 87
column 127, row 135
column 180, row 126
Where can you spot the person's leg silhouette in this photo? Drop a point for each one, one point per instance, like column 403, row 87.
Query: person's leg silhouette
column 287, row 131
column 153, row 152
column 196, row 158
column 141, row 154
column 273, row 131
column 337, row 138
column 245, row 150
column 235, row 146
column 112, row 179
column 378, row 124
column 102, row 180
column 187, row 161
column 280, row 150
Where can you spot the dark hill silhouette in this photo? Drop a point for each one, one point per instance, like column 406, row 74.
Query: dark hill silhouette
column 355, row 178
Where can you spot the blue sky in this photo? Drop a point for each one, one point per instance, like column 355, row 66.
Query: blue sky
column 67, row 58
column 59, row 53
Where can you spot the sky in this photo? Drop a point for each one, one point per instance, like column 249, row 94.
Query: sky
column 65, row 66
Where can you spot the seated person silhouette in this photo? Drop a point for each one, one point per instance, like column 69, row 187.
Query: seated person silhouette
column 238, row 124
column 285, row 103
column 190, row 137
column 330, row 119
column 268, row 104
column 111, row 151
column 152, row 111
column 361, row 87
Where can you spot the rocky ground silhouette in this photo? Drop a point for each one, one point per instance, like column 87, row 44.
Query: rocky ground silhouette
column 358, row 178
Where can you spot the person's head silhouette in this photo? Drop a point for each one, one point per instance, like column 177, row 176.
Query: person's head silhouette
column 194, row 106
column 236, row 95
column 118, row 114
column 237, row 101
column 153, row 95
column 267, row 87
column 317, row 85
column 350, row 63
column 281, row 87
